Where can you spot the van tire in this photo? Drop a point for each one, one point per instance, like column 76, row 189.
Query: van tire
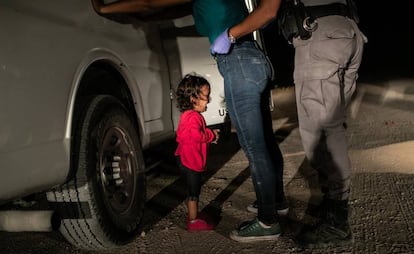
column 102, row 204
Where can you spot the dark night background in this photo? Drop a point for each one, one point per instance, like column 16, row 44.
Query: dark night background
column 388, row 54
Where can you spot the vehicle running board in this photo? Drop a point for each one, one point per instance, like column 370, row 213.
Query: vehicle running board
column 34, row 221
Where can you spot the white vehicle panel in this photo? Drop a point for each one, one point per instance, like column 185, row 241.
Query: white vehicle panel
column 184, row 43
column 46, row 48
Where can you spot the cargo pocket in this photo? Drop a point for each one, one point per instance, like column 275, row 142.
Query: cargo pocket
column 311, row 98
column 335, row 43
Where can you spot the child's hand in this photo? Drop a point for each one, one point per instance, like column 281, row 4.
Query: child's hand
column 217, row 135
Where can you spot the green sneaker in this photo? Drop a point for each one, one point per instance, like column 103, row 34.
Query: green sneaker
column 325, row 235
column 255, row 231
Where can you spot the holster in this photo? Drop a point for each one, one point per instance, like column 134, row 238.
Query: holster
column 290, row 21
column 294, row 15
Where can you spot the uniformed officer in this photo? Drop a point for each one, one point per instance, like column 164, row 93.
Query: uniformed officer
column 327, row 60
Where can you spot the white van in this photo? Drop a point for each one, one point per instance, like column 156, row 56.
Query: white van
column 82, row 97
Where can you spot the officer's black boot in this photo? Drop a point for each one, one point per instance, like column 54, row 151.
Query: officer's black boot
column 333, row 229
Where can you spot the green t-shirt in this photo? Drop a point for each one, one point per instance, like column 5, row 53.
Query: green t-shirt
column 212, row 17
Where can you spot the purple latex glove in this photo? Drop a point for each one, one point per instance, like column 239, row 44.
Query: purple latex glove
column 221, row 44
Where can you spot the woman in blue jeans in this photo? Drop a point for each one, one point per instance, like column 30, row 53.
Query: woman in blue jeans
column 246, row 72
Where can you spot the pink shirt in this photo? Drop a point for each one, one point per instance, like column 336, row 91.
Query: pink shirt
column 193, row 138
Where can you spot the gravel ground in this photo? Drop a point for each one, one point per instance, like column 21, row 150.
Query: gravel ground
column 382, row 218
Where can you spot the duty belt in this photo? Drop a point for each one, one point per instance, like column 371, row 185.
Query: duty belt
column 319, row 11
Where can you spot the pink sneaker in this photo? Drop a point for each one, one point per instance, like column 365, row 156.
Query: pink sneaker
column 199, row 225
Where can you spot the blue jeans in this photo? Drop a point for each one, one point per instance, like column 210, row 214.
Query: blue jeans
column 246, row 72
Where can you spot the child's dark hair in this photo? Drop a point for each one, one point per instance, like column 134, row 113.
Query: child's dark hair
column 188, row 88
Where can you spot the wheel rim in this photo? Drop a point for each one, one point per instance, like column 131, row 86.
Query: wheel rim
column 117, row 170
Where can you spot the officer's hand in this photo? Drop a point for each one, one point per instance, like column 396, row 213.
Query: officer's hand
column 221, row 44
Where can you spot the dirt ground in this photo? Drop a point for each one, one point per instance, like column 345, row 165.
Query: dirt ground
column 382, row 218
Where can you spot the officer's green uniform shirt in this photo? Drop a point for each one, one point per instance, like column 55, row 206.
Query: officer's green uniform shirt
column 212, row 17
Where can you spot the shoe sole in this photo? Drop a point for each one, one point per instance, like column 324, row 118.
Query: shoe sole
column 249, row 239
column 283, row 212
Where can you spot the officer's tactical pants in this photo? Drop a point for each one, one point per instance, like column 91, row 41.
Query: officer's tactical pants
column 326, row 67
